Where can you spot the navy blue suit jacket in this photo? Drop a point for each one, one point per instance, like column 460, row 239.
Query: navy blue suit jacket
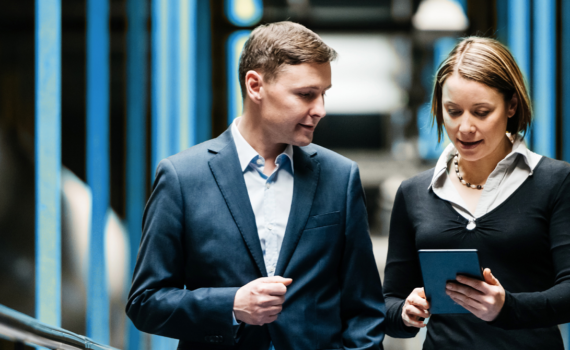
column 200, row 245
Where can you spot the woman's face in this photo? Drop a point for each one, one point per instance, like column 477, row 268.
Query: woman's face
column 475, row 117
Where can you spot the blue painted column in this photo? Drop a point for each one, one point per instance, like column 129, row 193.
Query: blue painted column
column 98, row 165
column 160, row 83
column 203, row 86
column 234, row 48
column 519, row 35
column 428, row 146
column 175, row 52
column 544, row 77
column 48, row 160
column 137, row 83
column 186, row 70
column 240, row 13
column 566, row 83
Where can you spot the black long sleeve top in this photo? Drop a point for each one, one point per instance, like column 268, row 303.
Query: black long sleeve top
column 525, row 242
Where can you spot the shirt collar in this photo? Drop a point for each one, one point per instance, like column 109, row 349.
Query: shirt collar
column 530, row 158
column 246, row 153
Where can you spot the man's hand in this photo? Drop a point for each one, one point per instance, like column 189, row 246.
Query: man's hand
column 484, row 299
column 261, row 300
column 415, row 309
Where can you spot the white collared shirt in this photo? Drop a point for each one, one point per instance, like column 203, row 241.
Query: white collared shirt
column 508, row 175
column 270, row 196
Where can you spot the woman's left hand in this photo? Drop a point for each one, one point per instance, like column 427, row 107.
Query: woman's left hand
column 484, row 299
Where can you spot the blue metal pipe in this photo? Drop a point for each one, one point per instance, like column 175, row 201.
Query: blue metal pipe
column 160, row 91
column 544, row 77
column 137, row 82
column 98, row 165
column 566, row 83
column 174, row 53
column 203, row 85
column 187, row 71
column 234, row 46
column 48, row 160
column 519, row 35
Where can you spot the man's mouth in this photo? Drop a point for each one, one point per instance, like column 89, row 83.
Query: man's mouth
column 308, row 127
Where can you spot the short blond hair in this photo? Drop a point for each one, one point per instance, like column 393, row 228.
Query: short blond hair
column 270, row 46
column 489, row 62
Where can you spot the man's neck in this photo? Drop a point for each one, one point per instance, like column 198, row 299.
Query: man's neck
column 261, row 142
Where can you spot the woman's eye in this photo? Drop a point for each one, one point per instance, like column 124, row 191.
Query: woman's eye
column 453, row 112
column 482, row 113
column 303, row 95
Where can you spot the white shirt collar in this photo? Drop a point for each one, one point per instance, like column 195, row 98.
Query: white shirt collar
column 530, row 158
column 246, row 153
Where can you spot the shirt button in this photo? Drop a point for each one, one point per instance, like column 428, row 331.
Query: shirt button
column 259, row 161
column 267, row 185
column 471, row 225
column 270, row 227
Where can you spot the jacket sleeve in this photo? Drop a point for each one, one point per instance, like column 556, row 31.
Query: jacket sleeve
column 550, row 307
column 158, row 302
column 402, row 274
column 362, row 303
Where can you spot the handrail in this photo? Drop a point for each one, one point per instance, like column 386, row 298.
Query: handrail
column 19, row 327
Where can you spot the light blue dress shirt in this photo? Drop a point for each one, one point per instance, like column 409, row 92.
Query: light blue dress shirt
column 270, row 196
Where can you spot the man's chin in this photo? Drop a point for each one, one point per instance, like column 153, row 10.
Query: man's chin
column 301, row 142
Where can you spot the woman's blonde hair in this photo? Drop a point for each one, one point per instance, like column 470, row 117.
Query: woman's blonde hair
column 489, row 62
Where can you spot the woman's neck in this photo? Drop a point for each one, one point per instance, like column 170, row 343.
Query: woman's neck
column 477, row 172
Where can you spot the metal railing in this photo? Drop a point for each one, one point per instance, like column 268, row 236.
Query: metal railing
column 21, row 328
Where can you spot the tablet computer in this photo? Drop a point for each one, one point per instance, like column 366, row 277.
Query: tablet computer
column 441, row 265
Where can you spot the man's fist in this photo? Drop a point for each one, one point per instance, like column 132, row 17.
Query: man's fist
column 261, row 300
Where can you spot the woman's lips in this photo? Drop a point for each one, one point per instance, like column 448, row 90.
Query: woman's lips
column 469, row 145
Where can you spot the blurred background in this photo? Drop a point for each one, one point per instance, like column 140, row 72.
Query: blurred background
column 94, row 93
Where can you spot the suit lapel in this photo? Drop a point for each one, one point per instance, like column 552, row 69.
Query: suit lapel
column 306, row 177
column 226, row 169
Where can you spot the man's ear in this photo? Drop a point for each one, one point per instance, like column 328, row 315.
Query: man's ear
column 253, row 83
column 512, row 105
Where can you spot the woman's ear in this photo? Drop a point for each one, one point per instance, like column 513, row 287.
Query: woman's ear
column 253, row 83
column 512, row 105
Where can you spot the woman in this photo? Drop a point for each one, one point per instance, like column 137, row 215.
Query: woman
column 487, row 192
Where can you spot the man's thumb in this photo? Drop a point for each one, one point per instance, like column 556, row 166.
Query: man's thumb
column 279, row 279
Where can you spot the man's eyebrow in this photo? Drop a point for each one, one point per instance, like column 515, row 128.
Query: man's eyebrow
column 315, row 87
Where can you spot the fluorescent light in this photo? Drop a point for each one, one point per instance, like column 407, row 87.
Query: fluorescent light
column 440, row 15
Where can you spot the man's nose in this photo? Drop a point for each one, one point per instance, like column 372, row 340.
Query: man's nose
column 318, row 108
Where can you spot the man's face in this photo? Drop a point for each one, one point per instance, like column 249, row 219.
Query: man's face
column 293, row 103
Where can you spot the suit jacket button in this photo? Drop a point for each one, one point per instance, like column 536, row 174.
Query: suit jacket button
column 220, row 339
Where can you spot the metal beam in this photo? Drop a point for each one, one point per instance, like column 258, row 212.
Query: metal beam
column 48, row 160
column 160, row 91
column 519, row 35
column 137, row 83
column 98, row 165
column 203, row 85
column 566, row 83
column 544, row 77
column 234, row 46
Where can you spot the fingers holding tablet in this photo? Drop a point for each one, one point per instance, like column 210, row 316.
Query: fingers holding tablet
column 415, row 309
column 484, row 299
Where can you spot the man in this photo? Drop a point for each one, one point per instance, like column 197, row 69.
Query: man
column 258, row 239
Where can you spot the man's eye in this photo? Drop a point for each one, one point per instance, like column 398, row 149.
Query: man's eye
column 303, row 95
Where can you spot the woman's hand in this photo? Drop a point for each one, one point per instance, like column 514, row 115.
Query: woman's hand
column 415, row 309
column 484, row 299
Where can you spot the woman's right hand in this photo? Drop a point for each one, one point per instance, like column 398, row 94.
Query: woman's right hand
column 415, row 309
